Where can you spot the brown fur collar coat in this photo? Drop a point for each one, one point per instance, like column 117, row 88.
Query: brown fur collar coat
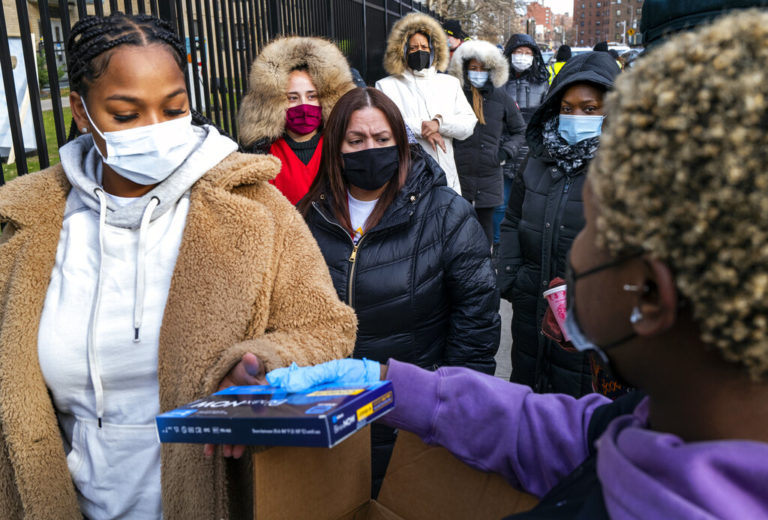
column 407, row 26
column 249, row 278
column 262, row 114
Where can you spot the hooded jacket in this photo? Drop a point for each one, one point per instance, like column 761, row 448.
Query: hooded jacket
column 232, row 288
column 426, row 95
column 537, row 442
column 261, row 120
column 420, row 282
column 544, row 215
column 478, row 157
column 528, row 89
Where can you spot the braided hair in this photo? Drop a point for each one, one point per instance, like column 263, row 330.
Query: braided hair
column 94, row 38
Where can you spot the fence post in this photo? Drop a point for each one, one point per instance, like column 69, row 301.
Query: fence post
column 10, row 98
column 365, row 40
column 275, row 23
column 30, row 64
column 53, row 73
column 331, row 21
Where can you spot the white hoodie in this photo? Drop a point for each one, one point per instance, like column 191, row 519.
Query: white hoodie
column 425, row 95
column 100, row 326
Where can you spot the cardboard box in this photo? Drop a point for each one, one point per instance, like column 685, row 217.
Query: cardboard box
column 422, row 482
column 267, row 416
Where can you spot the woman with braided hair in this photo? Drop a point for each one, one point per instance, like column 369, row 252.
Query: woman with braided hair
column 153, row 266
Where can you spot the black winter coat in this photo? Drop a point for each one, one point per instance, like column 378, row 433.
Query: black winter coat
column 477, row 157
column 544, row 215
column 528, row 89
column 420, row 281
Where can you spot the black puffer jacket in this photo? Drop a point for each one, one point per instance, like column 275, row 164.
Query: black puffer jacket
column 478, row 158
column 528, row 89
column 420, row 281
column 544, row 215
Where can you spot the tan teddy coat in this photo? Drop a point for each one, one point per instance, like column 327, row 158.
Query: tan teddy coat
column 249, row 278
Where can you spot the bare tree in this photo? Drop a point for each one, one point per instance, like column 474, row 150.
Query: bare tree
column 491, row 20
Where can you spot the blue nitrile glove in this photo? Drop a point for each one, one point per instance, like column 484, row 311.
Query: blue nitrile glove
column 340, row 371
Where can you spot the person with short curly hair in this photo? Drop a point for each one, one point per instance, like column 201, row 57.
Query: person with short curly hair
column 667, row 286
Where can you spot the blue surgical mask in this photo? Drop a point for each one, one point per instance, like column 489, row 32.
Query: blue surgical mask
column 478, row 78
column 148, row 154
column 577, row 128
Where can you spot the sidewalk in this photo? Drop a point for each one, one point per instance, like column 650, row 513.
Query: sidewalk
column 47, row 104
column 503, row 359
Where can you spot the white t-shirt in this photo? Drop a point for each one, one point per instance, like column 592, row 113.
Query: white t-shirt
column 359, row 211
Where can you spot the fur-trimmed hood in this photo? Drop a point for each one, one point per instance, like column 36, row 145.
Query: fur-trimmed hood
column 407, row 26
column 486, row 53
column 262, row 114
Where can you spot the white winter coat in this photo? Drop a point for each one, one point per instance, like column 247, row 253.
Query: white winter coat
column 425, row 95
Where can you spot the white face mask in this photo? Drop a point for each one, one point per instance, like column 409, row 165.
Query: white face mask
column 577, row 128
column 477, row 78
column 148, row 154
column 521, row 62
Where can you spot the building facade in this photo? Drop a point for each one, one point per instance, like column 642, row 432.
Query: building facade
column 614, row 21
column 540, row 23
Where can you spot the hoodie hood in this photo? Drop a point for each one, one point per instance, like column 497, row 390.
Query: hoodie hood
column 262, row 113
column 407, row 26
column 82, row 166
column 598, row 68
column 645, row 474
column 484, row 52
column 538, row 71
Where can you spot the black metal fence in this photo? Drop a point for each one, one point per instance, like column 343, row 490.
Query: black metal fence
column 222, row 39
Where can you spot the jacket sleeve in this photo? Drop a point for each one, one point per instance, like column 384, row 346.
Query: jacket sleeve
column 532, row 440
column 510, row 254
column 475, row 324
column 513, row 133
column 307, row 322
column 458, row 121
column 412, row 121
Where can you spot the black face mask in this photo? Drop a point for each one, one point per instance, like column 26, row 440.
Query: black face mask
column 418, row 60
column 372, row 168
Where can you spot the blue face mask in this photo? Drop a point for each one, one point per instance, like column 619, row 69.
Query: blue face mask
column 577, row 128
column 478, row 78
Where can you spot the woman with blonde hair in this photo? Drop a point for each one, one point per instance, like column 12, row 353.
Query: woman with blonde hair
column 293, row 85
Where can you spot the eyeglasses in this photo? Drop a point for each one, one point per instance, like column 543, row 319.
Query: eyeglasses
column 571, row 275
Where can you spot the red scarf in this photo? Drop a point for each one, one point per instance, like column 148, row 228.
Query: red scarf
column 295, row 177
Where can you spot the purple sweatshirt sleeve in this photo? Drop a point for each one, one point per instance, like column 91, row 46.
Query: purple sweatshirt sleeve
column 532, row 440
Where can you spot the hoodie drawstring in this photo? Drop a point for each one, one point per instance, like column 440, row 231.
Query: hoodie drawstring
column 138, row 304
column 93, row 366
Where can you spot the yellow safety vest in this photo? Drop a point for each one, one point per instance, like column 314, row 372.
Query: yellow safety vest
column 554, row 69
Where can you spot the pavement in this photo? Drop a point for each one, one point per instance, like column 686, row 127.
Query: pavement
column 47, row 104
column 503, row 356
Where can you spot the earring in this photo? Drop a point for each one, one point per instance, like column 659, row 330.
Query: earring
column 84, row 130
column 636, row 315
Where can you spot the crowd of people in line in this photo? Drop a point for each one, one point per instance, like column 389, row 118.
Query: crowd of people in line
column 361, row 233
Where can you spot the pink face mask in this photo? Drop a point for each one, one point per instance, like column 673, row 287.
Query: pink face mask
column 303, row 119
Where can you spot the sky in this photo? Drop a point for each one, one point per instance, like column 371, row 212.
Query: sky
column 559, row 6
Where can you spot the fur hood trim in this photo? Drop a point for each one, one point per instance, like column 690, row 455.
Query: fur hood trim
column 262, row 114
column 407, row 26
column 482, row 51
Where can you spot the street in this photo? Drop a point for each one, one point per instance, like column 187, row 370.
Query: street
column 503, row 361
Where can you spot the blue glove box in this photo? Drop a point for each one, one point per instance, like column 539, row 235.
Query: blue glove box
column 267, row 416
